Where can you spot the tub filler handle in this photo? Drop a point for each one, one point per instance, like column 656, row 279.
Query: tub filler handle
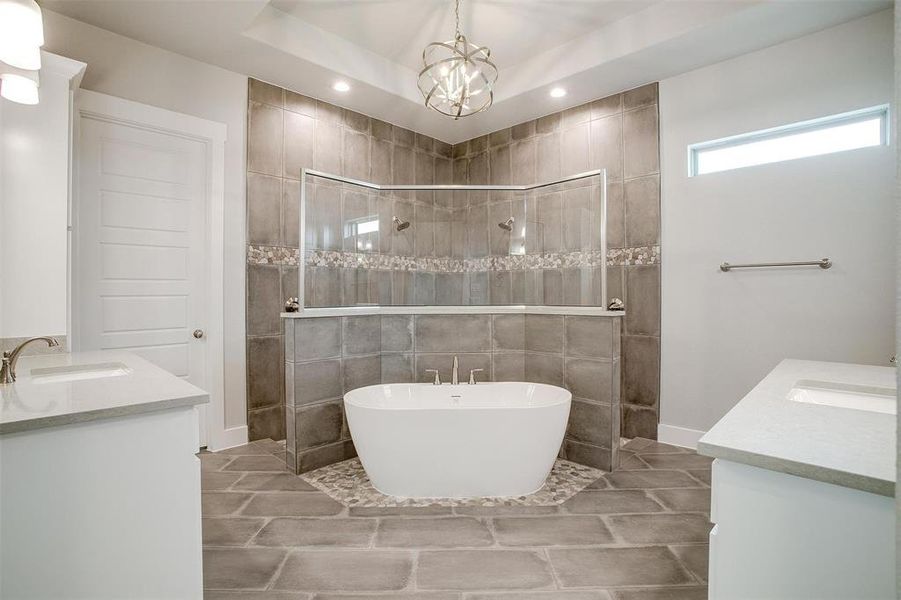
column 437, row 376
column 472, row 377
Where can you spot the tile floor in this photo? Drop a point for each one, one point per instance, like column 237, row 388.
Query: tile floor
column 637, row 534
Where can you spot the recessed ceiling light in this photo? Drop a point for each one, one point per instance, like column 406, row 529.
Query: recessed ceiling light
column 341, row 86
column 558, row 92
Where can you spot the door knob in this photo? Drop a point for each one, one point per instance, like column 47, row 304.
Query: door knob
column 198, row 333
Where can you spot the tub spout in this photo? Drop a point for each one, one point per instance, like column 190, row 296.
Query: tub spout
column 454, row 377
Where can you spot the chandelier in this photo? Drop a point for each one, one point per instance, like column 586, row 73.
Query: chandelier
column 458, row 76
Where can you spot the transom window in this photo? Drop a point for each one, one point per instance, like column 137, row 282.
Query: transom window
column 836, row 133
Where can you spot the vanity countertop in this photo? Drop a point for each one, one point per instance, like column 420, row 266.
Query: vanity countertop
column 842, row 446
column 33, row 403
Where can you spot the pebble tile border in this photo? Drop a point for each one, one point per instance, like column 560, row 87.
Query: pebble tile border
column 279, row 255
column 348, row 483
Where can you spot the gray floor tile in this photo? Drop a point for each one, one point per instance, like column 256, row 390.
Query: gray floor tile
column 224, row 595
column 602, row 502
column 346, row 570
column 222, row 503
column 273, row 482
column 555, row 595
column 603, row 567
column 551, row 531
column 693, row 592
column 660, row 528
column 213, row 462
column 217, row 480
column 287, row 531
column 498, row 511
column 641, row 445
column 702, row 475
column 629, row 462
column 291, row 504
column 649, row 479
column 441, row 532
column 392, row 596
column 482, row 570
column 230, row 531
column 258, row 447
column 677, row 461
column 399, row 511
column 240, row 568
column 685, row 499
column 262, row 462
column 694, row 558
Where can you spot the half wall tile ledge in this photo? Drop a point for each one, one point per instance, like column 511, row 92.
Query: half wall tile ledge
column 352, row 311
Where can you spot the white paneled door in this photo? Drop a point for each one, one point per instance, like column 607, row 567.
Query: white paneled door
column 141, row 246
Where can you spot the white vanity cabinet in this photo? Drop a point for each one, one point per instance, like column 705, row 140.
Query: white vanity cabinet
column 803, row 486
column 779, row 536
column 100, row 482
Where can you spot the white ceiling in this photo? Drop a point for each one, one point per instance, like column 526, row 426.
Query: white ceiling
column 515, row 30
column 593, row 48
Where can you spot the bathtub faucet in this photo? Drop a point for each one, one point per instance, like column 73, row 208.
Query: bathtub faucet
column 454, row 378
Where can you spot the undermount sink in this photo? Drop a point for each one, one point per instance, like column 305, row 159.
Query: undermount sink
column 844, row 395
column 78, row 372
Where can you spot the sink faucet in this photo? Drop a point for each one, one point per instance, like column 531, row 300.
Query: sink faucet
column 8, row 370
column 454, row 378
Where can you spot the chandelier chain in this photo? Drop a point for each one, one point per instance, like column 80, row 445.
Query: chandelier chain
column 457, row 18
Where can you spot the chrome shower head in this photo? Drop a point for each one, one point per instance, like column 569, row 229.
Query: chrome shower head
column 506, row 225
column 401, row 225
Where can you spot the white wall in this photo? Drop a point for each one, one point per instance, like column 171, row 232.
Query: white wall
column 123, row 67
column 34, row 200
column 722, row 332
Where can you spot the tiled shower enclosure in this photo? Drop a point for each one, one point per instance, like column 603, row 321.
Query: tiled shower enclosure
column 288, row 132
column 327, row 357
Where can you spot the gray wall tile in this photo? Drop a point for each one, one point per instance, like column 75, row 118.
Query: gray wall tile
column 544, row 333
column 589, row 336
column 318, row 424
column 299, row 134
column 544, row 368
column 589, row 379
column 362, row 335
column 264, row 139
column 397, row 367
column 509, row 332
column 641, row 370
column 362, row 371
column 264, row 302
column 640, row 142
column 397, row 333
column 316, row 338
column 509, row 366
column 260, row 91
column 643, row 285
column 264, row 199
column 452, row 333
column 265, row 372
column 642, row 204
column 317, row 381
column 591, row 423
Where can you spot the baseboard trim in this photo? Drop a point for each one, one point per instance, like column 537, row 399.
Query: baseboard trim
column 679, row 436
column 234, row 436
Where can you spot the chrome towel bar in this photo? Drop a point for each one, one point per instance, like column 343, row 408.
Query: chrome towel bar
column 823, row 263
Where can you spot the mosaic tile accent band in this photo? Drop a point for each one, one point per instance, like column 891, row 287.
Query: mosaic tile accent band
column 348, row 483
column 278, row 255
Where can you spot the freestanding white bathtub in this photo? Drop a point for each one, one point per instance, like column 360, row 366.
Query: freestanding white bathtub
column 455, row 441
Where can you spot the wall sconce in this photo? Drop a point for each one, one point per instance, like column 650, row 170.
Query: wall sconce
column 21, row 38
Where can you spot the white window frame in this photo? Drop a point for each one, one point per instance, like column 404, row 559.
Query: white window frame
column 856, row 116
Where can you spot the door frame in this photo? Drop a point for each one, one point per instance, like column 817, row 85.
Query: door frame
column 212, row 135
